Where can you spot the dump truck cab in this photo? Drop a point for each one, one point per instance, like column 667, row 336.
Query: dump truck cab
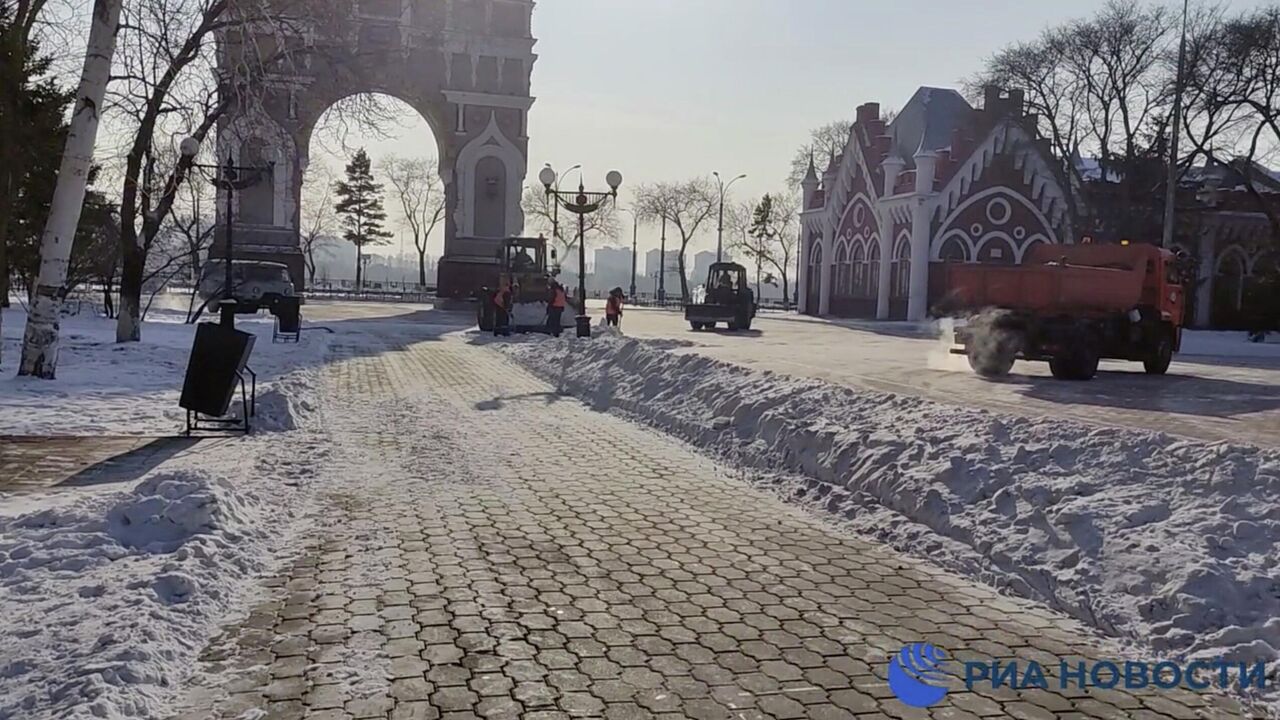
column 729, row 300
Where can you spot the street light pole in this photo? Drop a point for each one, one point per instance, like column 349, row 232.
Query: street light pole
column 662, row 265
column 1171, row 191
column 228, row 302
column 226, row 177
column 720, row 232
column 582, row 203
column 582, row 252
column 635, row 242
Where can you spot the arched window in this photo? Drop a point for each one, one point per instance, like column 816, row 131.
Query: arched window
column 841, row 270
column 859, row 288
column 901, row 277
column 814, row 278
column 873, row 269
column 1229, row 285
column 954, row 250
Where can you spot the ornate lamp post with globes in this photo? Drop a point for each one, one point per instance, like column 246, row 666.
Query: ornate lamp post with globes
column 229, row 177
column 582, row 204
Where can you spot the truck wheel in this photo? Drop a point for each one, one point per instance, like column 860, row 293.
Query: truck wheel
column 1162, row 357
column 1080, row 364
column 1061, row 368
column 697, row 327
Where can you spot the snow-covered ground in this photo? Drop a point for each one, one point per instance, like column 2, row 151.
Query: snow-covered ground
column 133, row 388
column 108, row 593
column 1170, row 542
column 106, row 601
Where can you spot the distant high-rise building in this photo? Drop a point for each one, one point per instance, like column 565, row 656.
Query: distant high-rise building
column 702, row 263
column 612, row 269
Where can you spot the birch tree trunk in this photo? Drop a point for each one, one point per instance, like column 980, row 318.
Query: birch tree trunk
column 40, row 341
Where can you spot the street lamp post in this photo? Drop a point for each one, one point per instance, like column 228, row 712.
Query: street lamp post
column 228, row 179
column 662, row 264
column 1171, row 191
column 635, row 242
column 582, row 204
column 724, row 189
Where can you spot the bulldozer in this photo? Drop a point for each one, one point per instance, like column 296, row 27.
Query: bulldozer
column 530, row 265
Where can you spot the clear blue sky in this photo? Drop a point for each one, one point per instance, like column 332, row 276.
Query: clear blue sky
column 670, row 89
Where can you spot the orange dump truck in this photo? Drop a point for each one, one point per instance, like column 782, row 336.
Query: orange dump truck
column 1069, row 305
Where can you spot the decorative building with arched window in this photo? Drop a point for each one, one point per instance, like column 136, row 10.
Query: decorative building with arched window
column 942, row 182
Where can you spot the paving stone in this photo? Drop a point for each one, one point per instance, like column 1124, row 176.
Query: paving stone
column 511, row 584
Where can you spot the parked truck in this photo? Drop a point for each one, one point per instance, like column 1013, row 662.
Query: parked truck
column 1070, row 306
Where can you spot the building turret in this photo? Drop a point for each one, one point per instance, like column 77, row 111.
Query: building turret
column 810, row 183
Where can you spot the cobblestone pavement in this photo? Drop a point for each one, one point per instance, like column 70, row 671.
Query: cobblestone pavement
column 39, row 463
column 511, row 553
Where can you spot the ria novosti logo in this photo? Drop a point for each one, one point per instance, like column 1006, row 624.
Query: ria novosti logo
column 917, row 675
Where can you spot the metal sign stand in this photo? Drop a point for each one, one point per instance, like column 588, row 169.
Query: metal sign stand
column 249, row 409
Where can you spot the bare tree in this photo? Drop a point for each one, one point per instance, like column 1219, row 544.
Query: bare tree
column 1234, row 98
column 1100, row 86
column 40, row 340
column 422, row 200
column 738, row 221
column 169, row 85
column 1054, row 94
column 771, row 238
column 685, row 205
column 319, row 221
column 191, row 226
column 824, row 142
column 540, row 215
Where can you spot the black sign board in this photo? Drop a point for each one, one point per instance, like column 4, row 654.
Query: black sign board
column 218, row 357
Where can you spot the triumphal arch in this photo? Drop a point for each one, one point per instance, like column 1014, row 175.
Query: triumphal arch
column 464, row 65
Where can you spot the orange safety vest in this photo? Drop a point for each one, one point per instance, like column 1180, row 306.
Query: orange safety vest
column 558, row 299
column 500, row 299
column 614, row 306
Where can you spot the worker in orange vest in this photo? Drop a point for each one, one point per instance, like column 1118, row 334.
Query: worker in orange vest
column 502, row 301
column 555, row 309
column 613, row 308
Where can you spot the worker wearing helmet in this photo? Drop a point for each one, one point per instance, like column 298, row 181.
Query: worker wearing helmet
column 556, row 304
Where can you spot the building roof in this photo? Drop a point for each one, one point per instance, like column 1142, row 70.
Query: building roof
column 928, row 121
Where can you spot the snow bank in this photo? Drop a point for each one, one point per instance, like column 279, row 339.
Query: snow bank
column 133, row 388
column 107, row 600
column 1228, row 345
column 1169, row 542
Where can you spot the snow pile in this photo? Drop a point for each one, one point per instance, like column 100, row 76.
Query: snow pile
column 1170, row 542
column 107, row 599
column 133, row 388
column 1228, row 344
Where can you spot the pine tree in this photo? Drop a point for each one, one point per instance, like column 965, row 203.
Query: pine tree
column 360, row 207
